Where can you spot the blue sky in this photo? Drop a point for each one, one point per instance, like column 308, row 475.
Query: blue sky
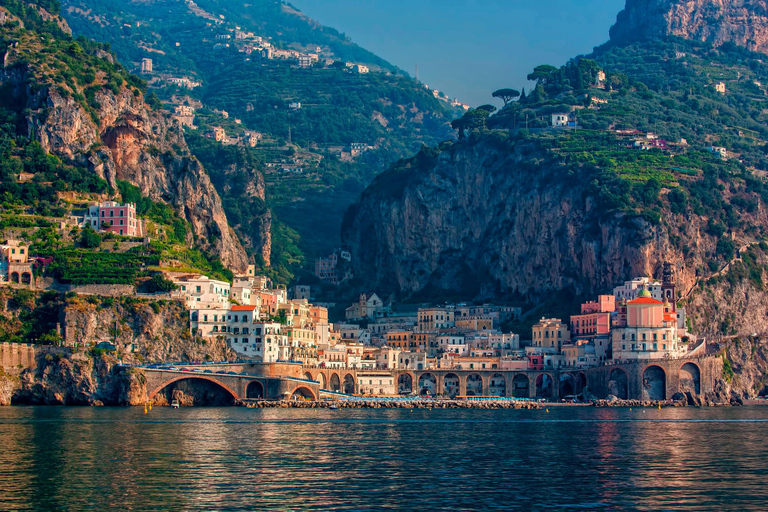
column 469, row 48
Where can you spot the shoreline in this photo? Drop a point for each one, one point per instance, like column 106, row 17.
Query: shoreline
column 453, row 404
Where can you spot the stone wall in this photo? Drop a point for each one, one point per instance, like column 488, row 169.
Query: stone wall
column 104, row 290
column 14, row 357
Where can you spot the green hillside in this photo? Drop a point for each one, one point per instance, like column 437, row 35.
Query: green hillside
column 383, row 109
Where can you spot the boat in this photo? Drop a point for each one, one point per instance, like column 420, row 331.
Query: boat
column 175, row 404
column 333, row 407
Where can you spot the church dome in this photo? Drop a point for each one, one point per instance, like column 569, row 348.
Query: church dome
column 644, row 294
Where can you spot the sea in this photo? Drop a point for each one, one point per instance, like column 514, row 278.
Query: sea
column 561, row 458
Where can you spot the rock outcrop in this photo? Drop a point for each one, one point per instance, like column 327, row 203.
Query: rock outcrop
column 487, row 219
column 246, row 184
column 742, row 22
column 142, row 331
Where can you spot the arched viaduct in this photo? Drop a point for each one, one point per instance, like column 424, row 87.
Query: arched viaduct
column 649, row 380
column 239, row 386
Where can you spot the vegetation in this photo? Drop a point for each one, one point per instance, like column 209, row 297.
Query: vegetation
column 386, row 110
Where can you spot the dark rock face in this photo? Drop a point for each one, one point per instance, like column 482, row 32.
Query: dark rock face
column 742, row 22
column 484, row 220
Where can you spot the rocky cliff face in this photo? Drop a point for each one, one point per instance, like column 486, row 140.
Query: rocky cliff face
column 489, row 219
column 73, row 380
column 743, row 22
column 125, row 140
column 247, row 184
column 142, row 331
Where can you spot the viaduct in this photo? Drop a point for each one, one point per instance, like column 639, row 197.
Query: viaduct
column 641, row 380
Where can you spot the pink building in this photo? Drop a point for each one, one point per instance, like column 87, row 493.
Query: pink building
column 325, row 269
column 119, row 218
column 595, row 317
column 535, row 361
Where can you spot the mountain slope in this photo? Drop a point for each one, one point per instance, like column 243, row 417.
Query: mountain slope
column 524, row 214
column 79, row 105
column 383, row 110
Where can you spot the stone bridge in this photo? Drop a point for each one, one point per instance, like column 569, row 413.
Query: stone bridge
column 238, row 386
column 649, row 380
column 656, row 380
column 453, row 383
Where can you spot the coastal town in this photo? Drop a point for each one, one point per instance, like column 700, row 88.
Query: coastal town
column 376, row 336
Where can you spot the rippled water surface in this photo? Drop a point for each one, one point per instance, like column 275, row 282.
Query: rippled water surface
column 276, row 459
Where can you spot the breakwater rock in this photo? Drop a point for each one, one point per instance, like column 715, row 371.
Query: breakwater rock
column 389, row 404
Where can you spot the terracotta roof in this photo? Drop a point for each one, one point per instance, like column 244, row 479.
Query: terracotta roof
column 243, row 308
column 646, row 300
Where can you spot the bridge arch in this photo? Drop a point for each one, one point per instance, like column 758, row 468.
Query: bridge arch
column 308, row 376
column 335, row 382
column 521, row 386
column 26, row 278
column 349, row 384
column 180, row 378
column 451, row 385
column 320, row 377
column 303, row 392
column 405, row 383
column 544, row 386
column 497, row 385
column 618, row 383
column 567, row 385
column 15, row 277
column 690, row 378
column 255, row 389
column 654, row 383
column 474, row 384
column 427, row 384
column 581, row 382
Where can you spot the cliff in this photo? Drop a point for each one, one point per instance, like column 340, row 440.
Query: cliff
column 742, row 22
column 142, row 331
column 101, row 122
column 496, row 216
column 137, row 331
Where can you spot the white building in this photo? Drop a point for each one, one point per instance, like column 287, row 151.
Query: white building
column 412, row 361
column 369, row 305
column 630, row 289
column 720, row 151
column 261, row 341
column 376, row 383
column 208, row 323
column 560, row 120
column 452, row 344
column 202, row 292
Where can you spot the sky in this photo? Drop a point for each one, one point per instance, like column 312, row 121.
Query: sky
column 469, row 48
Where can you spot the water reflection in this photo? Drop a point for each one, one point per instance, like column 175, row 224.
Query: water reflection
column 276, row 459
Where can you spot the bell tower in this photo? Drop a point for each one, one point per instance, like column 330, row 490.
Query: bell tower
column 668, row 284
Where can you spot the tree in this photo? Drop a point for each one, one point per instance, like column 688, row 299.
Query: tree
column 90, row 239
column 475, row 118
column 543, row 74
column 506, row 95
column 618, row 81
column 158, row 283
column 488, row 108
